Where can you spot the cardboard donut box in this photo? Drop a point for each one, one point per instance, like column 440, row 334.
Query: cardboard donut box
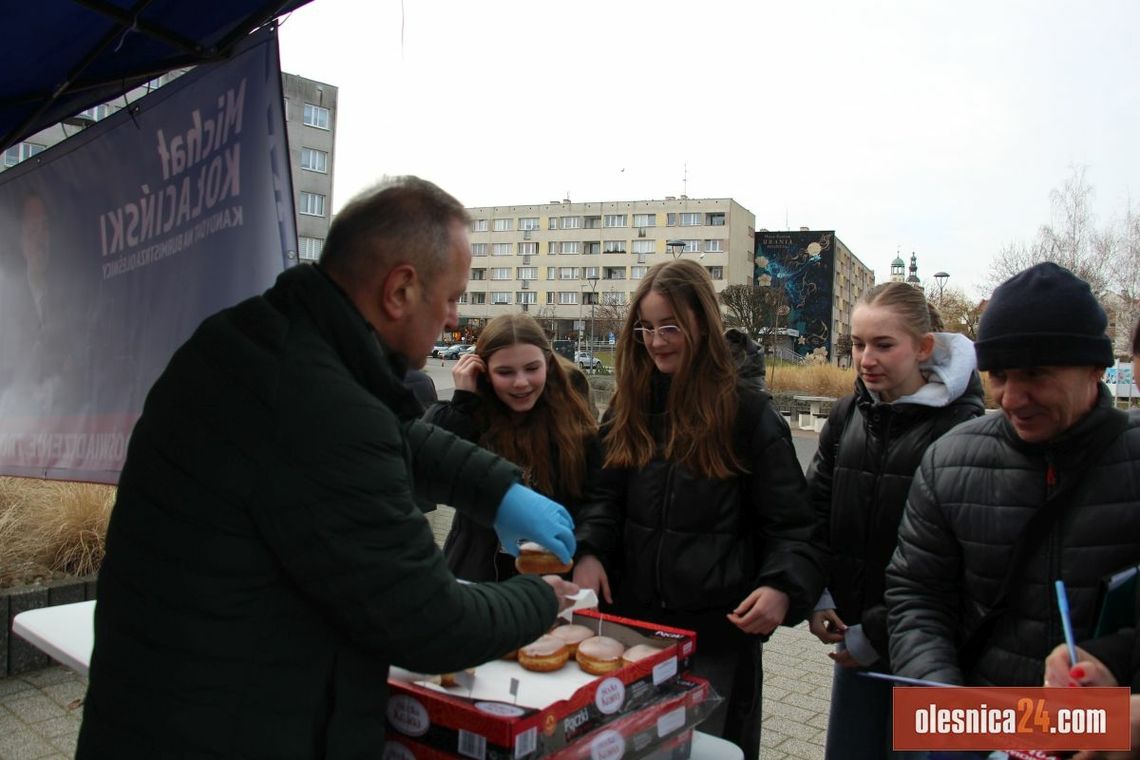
column 430, row 722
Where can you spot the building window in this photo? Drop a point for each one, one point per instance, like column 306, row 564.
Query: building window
column 614, row 246
column 309, row 248
column 479, row 274
column 590, row 273
column 312, row 204
column 501, row 249
column 715, row 219
column 670, row 220
column 636, row 273
column 568, row 273
column 644, row 246
column 504, row 225
column 645, row 220
column 528, row 249
column 615, row 220
column 593, row 223
column 553, row 223
column 551, row 273
column 477, row 299
column 567, row 297
column 501, row 273
column 570, row 222
column 315, row 160
column 713, row 246
column 316, row 116
column 528, row 222
column 716, row 273
column 589, row 297
column 528, row 273
column 569, row 246
column 526, row 296
column 478, row 225
column 21, row 152
column 613, row 298
column 550, row 298
column 96, row 113
column 501, row 298
column 613, row 273
column 478, row 249
column 592, row 247
column 691, row 219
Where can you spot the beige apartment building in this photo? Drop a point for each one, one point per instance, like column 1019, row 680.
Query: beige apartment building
column 564, row 262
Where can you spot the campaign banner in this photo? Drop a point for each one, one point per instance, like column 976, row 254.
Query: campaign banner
column 116, row 243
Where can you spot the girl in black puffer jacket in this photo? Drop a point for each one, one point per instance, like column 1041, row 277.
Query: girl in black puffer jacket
column 699, row 518
column 913, row 385
column 516, row 397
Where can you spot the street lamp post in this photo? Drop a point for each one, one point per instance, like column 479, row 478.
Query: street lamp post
column 593, row 298
column 941, row 278
column 676, row 247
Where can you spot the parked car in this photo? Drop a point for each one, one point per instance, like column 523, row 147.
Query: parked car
column 437, row 349
column 456, row 350
column 586, row 360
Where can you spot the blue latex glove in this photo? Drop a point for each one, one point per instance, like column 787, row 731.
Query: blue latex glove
column 526, row 515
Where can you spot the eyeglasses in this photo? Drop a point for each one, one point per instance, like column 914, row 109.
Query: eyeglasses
column 667, row 333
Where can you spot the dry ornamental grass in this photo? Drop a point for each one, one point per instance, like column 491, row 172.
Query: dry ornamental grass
column 49, row 528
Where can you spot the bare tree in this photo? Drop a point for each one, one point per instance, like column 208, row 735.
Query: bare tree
column 1071, row 239
column 960, row 314
column 757, row 310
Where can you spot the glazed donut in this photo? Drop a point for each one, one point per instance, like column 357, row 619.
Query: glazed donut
column 544, row 655
column 638, row 652
column 599, row 655
column 536, row 559
column 571, row 635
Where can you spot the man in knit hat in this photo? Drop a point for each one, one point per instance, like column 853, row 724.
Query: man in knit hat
column 1004, row 505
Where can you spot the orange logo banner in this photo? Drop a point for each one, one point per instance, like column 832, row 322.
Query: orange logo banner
column 1006, row 718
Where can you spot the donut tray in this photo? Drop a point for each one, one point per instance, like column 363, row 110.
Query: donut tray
column 510, row 713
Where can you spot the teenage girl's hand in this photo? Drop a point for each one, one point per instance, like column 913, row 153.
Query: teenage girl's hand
column 761, row 611
column 827, row 626
column 1089, row 671
column 589, row 573
column 844, row 659
column 466, row 372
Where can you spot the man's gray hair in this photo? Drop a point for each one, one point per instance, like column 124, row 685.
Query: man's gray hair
column 401, row 220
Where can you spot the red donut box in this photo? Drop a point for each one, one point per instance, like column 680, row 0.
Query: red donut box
column 660, row 730
column 457, row 726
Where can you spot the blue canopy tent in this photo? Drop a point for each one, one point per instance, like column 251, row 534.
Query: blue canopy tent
column 60, row 57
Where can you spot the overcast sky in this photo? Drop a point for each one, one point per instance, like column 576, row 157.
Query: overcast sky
column 937, row 127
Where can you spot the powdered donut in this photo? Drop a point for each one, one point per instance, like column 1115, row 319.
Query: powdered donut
column 571, row 635
column 638, row 652
column 544, row 654
column 599, row 655
column 536, row 559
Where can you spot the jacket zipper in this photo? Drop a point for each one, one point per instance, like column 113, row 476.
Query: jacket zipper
column 667, row 497
column 1052, row 629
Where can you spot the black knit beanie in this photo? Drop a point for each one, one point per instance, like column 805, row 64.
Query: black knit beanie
column 1043, row 316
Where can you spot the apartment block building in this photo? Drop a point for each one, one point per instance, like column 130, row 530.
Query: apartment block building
column 820, row 280
column 310, row 121
column 563, row 261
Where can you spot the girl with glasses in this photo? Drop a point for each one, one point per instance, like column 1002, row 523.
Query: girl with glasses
column 519, row 399
column 913, row 385
column 699, row 517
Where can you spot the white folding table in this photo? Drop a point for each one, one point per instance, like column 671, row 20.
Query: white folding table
column 67, row 633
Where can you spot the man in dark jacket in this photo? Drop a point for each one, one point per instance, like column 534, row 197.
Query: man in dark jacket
column 1058, row 450
column 266, row 560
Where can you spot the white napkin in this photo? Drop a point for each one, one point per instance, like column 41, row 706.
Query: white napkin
column 583, row 599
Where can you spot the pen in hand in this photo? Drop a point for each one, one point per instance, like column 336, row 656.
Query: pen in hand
column 1066, row 621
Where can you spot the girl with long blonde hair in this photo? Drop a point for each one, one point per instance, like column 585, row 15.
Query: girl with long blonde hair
column 699, row 517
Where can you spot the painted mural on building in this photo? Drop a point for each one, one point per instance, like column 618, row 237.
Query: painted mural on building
column 802, row 265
